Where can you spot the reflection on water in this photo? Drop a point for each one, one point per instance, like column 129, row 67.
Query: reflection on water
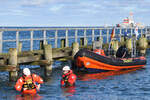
column 28, row 97
column 68, row 91
column 102, row 75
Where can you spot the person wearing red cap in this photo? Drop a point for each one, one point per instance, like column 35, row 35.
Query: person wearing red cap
column 28, row 82
column 68, row 78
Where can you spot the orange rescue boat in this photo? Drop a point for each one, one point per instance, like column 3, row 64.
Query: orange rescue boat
column 97, row 61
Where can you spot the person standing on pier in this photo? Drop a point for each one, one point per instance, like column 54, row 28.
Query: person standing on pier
column 68, row 77
column 28, row 83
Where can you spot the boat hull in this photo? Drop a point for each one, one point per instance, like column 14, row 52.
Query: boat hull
column 85, row 59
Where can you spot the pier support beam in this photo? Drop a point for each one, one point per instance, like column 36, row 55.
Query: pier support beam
column 143, row 44
column 115, row 46
column 48, row 57
column 83, row 42
column 100, row 42
column 19, row 47
column 63, row 41
column 75, row 49
column 13, row 61
column 42, row 43
column 122, row 42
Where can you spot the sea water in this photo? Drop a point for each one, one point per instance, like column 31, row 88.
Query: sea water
column 124, row 85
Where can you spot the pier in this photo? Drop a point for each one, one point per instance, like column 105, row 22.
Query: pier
column 42, row 46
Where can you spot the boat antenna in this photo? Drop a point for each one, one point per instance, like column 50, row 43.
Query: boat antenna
column 134, row 38
column 133, row 46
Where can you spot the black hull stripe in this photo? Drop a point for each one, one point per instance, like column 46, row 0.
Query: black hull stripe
column 107, row 60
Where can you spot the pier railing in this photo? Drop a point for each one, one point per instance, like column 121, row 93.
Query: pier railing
column 66, row 37
column 44, row 57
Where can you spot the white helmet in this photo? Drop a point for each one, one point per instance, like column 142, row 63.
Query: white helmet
column 26, row 71
column 66, row 68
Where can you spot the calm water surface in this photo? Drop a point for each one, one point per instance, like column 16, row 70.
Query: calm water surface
column 123, row 85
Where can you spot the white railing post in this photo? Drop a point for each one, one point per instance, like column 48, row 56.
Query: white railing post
column 100, row 38
column 44, row 36
column 100, row 30
column 107, row 35
column 17, row 39
column 76, row 35
column 85, row 40
column 120, row 33
column 56, row 32
column 66, row 40
column 146, row 32
column 93, row 35
column 31, row 40
column 1, row 41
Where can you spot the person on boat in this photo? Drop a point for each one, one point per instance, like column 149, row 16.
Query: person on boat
column 68, row 77
column 122, row 52
column 28, row 83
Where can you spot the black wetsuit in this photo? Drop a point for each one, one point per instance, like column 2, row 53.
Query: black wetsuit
column 122, row 52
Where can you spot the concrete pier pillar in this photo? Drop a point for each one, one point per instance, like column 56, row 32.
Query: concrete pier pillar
column 129, row 45
column 48, row 69
column 42, row 43
column 63, row 41
column 98, row 44
column 101, row 42
column 83, row 42
column 75, row 49
column 19, row 47
column 143, row 45
column 122, row 42
column 13, row 61
column 48, row 57
column 115, row 46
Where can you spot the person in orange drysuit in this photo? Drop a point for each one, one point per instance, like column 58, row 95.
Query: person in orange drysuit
column 27, row 84
column 68, row 78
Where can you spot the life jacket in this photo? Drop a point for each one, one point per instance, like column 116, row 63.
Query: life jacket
column 68, row 79
column 28, row 83
column 65, row 79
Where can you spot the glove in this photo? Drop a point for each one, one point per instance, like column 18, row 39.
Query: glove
column 38, row 87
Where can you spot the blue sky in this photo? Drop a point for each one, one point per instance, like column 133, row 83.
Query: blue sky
column 72, row 12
